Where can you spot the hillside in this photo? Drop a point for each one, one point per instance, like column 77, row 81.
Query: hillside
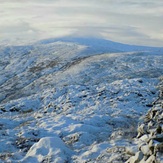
column 74, row 99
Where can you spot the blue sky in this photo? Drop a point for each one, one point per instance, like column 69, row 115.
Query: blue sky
column 133, row 22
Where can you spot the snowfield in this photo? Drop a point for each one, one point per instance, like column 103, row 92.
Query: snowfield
column 74, row 99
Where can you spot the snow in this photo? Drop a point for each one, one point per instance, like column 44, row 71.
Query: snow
column 75, row 100
column 47, row 148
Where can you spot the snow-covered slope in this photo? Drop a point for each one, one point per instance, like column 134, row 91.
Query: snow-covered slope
column 73, row 99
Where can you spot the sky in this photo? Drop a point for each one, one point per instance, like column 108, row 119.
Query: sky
column 138, row 22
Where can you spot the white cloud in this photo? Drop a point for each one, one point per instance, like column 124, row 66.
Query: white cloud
column 133, row 22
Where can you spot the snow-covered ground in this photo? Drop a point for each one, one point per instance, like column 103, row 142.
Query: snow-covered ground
column 74, row 99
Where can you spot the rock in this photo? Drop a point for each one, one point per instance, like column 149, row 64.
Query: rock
column 140, row 144
column 139, row 156
column 145, row 150
column 152, row 132
column 150, row 125
column 141, row 130
column 159, row 138
column 131, row 150
column 159, row 147
column 143, row 160
column 3, row 109
column 158, row 130
column 151, row 143
column 144, row 138
column 131, row 160
column 148, row 116
column 159, row 157
column 151, row 147
column 151, row 159
column 149, row 105
column 14, row 109
column 150, row 135
column 135, row 159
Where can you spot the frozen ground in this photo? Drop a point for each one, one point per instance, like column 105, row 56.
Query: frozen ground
column 74, row 99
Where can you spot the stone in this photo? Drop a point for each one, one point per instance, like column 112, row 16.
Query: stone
column 143, row 160
column 131, row 150
column 141, row 130
column 151, row 159
column 148, row 116
column 151, row 143
column 145, row 149
column 135, row 159
column 131, row 160
column 150, row 135
column 144, row 138
column 141, row 143
column 159, row 147
column 139, row 156
column 150, row 124
column 159, row 138
column 159, row 157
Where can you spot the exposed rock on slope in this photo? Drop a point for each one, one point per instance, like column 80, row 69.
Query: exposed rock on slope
column 150, row 134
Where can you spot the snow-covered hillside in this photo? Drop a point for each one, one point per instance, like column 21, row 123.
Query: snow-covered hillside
column 74, row 99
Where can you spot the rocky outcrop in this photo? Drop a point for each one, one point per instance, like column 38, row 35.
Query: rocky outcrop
column 150, row 134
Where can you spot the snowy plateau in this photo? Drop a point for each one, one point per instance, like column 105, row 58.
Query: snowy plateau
column 74, row 100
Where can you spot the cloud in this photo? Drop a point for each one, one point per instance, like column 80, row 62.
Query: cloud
column 136, row 21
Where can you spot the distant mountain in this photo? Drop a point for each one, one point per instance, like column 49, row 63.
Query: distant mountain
column 98, row 45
